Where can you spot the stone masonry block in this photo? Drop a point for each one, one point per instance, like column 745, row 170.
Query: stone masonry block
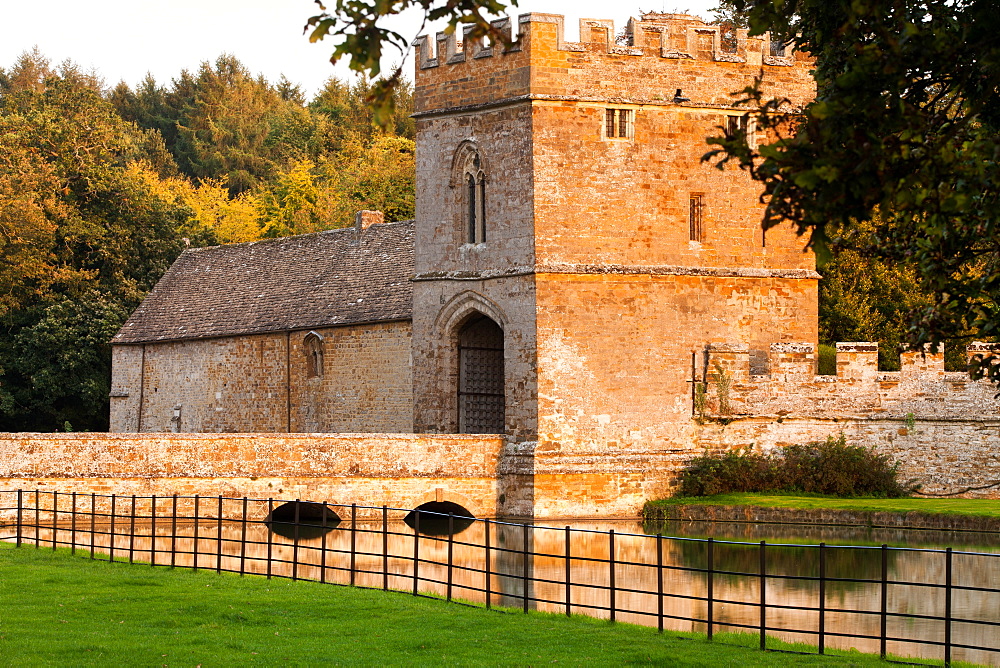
column 925, row 365
column 734, row 358
column 857, row 360
column 793, row 359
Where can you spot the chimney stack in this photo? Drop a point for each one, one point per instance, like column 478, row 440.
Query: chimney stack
column 365, row 219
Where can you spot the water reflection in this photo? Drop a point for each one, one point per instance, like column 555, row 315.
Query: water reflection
column 439, row 518
column 302, row 520
column 532, row 564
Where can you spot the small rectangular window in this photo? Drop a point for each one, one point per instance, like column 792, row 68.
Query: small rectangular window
column 746, row 124
column 618, row 123
column 735, row 124
column 695, row 218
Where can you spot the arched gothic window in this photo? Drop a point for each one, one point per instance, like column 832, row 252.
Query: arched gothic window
column 471, row 173
column 313, row 346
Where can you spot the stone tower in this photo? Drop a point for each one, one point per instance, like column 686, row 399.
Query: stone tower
column 572, row 250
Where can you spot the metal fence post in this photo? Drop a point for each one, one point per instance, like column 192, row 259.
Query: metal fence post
column 270, row 542
column 55, row 519
column 173, row 533
column 111, row 542
column 659, row 582
column 611, row 562
column 822, row 598
column 20, row 505
column 243, row 538
column 416, row 550
column 218, row 558
column 883, row 630
column 131, row 532
column 72, row 525
column 354, row 538
column 295, row 542
column 322, row 548
column 385, row 548
column 524, row 567
column 451, row 551
column 197, row 515
column 569, row 576
column 710, row 595
column 38, row 520
column 93, row 522
column 489, row 565
column 947, row 606
column 152, row 531
column 763, row 596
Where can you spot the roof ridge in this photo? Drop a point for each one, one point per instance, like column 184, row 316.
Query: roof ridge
column 336, row 230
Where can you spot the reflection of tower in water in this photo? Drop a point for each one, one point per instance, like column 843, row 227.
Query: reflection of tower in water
column 513, row 567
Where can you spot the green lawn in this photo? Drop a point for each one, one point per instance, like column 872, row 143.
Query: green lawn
column 968, row 507
column 61, row 610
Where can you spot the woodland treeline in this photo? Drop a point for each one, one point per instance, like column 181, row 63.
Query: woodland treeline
column 102, row 188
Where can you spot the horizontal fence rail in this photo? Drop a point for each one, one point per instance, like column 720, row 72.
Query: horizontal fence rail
column 933, row 603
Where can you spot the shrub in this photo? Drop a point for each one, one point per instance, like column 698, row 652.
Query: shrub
column 832, row 467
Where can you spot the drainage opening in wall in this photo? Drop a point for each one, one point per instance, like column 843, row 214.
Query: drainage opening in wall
column 315, row 519
column 434, row 518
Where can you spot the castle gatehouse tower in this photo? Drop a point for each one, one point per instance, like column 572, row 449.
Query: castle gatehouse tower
column 572, row 249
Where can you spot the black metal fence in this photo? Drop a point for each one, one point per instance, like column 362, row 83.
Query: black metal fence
column 822, row 594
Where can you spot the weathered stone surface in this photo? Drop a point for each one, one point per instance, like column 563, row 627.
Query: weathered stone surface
column 263, row 381
column 399, row 470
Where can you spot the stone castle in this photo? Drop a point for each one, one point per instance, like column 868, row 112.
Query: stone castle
column 574, row 274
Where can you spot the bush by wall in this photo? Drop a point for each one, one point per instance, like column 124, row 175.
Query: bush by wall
column 832, row 467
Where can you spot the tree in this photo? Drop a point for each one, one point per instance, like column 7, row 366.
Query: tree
column 86, row 230
column 903, row 135
column 355, row 26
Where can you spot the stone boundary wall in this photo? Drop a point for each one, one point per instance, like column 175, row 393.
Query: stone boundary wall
column 826, row 517
column 399, row 470
column 944, row 456
column 790, row 386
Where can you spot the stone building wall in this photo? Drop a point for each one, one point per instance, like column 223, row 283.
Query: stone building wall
column 455, row 279
column 588, row 261
column 228, row 384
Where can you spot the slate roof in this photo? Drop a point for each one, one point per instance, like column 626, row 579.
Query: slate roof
column 303, row 282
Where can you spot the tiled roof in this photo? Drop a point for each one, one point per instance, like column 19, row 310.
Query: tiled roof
column 304, row 282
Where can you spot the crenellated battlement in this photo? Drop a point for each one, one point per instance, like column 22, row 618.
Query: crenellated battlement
column 788, row 385
column 664, row 59
column 674, row 36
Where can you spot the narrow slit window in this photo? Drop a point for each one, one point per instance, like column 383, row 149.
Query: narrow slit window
column 473, row 209
column 695, row 210
column 611, row 114
column 481, row 219
column 313, row 346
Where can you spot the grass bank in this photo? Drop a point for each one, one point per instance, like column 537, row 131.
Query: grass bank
column 67, row 610
column 962, row 507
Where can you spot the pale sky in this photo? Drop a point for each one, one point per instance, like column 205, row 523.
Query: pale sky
column 124, row 39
